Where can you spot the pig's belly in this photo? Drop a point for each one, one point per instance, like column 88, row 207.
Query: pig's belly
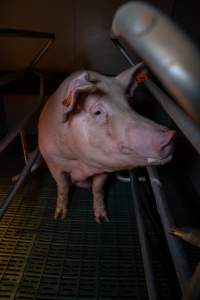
column 84, row 184
column 81, row 174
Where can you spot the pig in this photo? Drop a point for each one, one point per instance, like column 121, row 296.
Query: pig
column 88, row 130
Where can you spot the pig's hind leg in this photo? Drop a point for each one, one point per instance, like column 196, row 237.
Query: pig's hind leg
column 98, row 182
column 63, row 185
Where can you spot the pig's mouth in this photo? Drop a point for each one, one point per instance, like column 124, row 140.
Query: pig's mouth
column 163, row 157
column 166, row 155
column 162, row 161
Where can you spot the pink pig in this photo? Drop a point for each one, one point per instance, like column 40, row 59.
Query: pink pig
column 87, row 130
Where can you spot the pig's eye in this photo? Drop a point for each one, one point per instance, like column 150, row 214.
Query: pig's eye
column 97, row 112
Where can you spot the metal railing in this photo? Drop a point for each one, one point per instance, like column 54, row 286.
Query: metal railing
column 176, row 63
column 35, row 156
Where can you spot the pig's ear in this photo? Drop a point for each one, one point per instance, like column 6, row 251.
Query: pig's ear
column 84, row 83
column 127, row 78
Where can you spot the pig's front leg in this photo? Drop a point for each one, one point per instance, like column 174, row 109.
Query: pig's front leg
column 63, row 184
column 98, row 182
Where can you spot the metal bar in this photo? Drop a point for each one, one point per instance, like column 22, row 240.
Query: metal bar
column 24, row 145
column 13, row 32
column 165, row 49
column 175, row 246
column 123, row 51
column 19, row 182
column 7, row 78
column 148, row 267
column 182, row 120
column 41, row 53
column 13, row 133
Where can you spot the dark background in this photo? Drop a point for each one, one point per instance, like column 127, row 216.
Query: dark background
column 82, row 32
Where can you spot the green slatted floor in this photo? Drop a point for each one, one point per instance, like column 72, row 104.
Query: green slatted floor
column 43, row 258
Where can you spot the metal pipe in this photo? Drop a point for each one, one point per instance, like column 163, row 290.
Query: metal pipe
column 175, row 246
column 13, row 133
column 165, row 49
column 20, row 181
column 183, row 274
column 7, row 78
column 13, row 32
column 182, row 120
column 123, row 51
column 148, row 267
column 24, row 145
column 41, row 53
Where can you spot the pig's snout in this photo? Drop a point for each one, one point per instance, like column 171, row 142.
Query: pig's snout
column 167, row 145
column 164, row 149
column 152, row 144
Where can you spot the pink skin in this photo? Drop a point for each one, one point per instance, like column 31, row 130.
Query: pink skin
column 87, row 130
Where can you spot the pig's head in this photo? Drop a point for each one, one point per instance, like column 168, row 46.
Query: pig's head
column 106, row 132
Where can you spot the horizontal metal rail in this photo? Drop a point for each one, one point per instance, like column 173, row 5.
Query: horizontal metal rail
column 145, row 248
column 14, row 32
column 182, row 120
column 165, row 49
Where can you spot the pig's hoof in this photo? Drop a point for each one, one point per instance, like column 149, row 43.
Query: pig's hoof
column 101, row 216
column 60, row 213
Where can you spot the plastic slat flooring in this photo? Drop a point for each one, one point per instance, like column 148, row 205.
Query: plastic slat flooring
column 43, row 258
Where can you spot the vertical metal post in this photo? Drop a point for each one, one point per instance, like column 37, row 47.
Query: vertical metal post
column 148, row 267
column 175, row 247
column 24, row 145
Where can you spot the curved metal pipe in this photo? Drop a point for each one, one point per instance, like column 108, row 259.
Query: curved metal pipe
column 165, row 49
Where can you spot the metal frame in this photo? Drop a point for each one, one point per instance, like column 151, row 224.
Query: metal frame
column 16, row 33
column 150, row 34
column 35, row 156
